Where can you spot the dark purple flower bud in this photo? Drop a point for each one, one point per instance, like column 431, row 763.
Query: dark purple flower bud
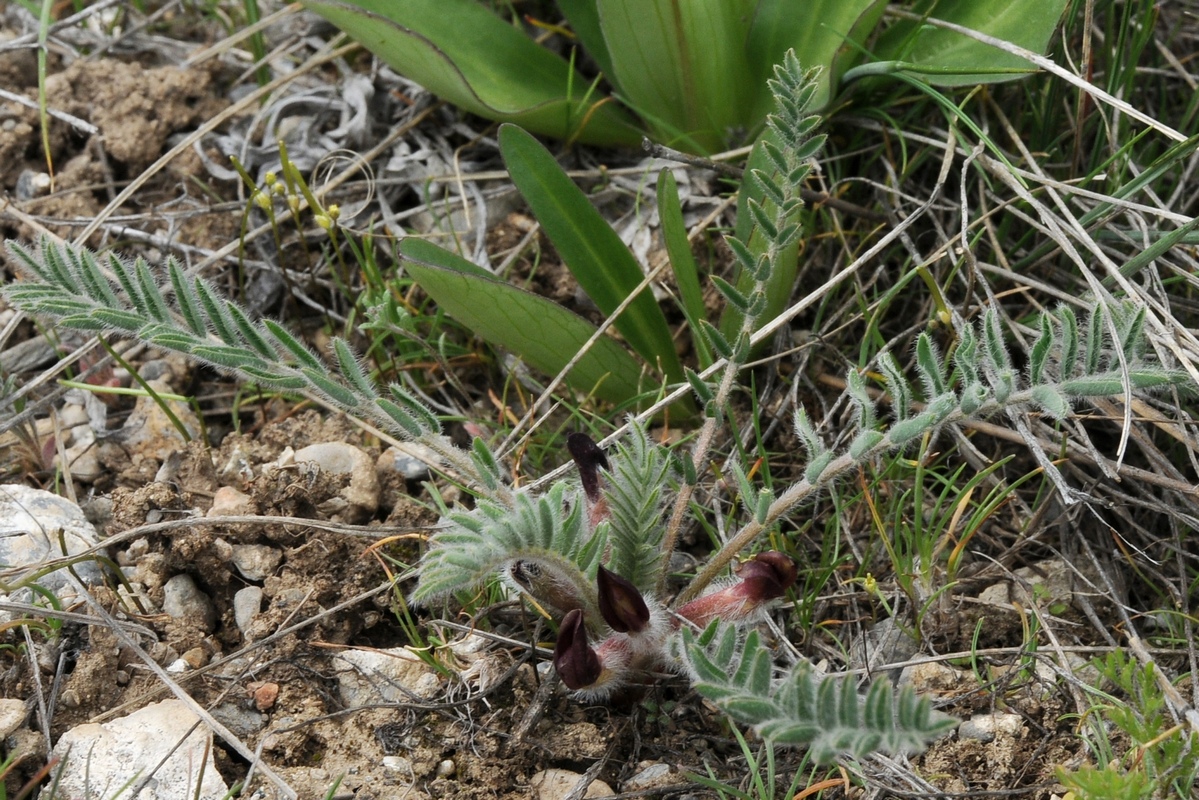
column 768, row 575
column 588, row 458
column 576, row 663
column 621, row 603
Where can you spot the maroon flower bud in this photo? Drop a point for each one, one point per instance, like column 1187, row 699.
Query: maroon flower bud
column 771, row 573
column 588, row 458
column 621, row 603
column 576, row 663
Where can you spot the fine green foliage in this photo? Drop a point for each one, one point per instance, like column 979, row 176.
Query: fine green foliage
column 827, row 715
column 1161, row 760
column 694, row 73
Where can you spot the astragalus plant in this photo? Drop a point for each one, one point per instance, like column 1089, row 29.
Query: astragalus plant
column 593, row 551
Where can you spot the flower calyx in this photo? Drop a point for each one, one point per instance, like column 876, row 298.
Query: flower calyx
column 764, row 578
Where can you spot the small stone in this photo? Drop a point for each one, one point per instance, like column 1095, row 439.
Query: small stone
column 229, row 502
column 265, row 695
column 445, row 768
column 183, row 600
column 931, row 677
column 360, row 499
column 152, row 570
column 163, row 653
column 137, row 549
column 256, row 562
column 222, row 549
column 650, row 775
column 412, row 461
column 242, row 721
column 397, row 764
column 246, row 605
column 150, row 433
column 196, row 657
column 72, row 414
column 176, row 667
column 31, row 184
column 12, row 716
column 557, row 784
column 985, row 727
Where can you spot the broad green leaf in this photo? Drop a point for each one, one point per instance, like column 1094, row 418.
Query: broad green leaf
column 462, row 52
column 946, row 58
column 600, row 262
column 682, row 261
column 538, row 330
column 820, row 36
column 682, row 66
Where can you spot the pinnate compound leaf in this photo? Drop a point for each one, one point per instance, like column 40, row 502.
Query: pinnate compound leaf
column 475, row 545
column 776, row 27
column 825, row 713
column 541, row 332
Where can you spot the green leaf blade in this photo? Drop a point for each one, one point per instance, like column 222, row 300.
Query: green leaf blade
column 541, row 332
column 600, row 262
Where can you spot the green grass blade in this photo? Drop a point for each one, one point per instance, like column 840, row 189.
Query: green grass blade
column 682, row 261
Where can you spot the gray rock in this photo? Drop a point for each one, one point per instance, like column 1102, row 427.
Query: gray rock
column 652, row 775
column 35, row 526
column 384, row 676
column 242, row 721
column 359, row 500
column 246, row 605
column 412, row 461
column 985, row 727
column 256, row 562
column 229, row 502
column 183, row 600
column 98, row 760
column 149, row 432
